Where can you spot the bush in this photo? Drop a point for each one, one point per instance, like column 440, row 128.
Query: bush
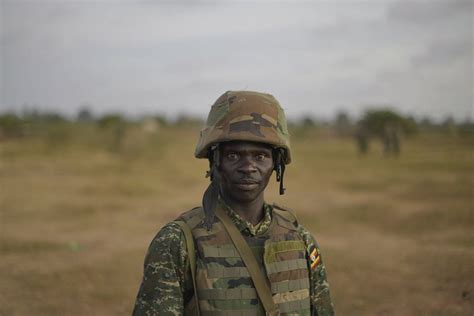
column 12, row 126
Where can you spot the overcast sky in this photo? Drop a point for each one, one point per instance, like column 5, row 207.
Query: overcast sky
column 316, row 57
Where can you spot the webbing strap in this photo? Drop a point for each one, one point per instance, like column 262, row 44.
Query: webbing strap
column 226, row 251
column 244, row 312
column 199, row 232
column 261, row 284
column 290, row 285
column 192, row 258
column 294, row 306
column 288, row 265
column 232, row 272
column 228, row 294
column 249, row 293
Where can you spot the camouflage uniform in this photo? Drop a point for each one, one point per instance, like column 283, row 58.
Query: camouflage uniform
column 167, row 285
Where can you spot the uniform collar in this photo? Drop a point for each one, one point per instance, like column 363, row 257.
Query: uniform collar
column 244, row 225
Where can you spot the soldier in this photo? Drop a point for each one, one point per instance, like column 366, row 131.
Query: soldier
column 391, row 138
column 236, row 254
column 362, row 138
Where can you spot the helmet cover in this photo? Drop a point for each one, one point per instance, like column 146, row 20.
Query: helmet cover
column 246, row 116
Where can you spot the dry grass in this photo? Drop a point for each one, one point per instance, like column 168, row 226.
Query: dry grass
column 76, row 218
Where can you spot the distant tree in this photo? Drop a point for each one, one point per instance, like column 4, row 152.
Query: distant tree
column 343, row 123
column 426, row 123
column 187, row 120
column 30, row 114
column 161, row 119
column 307, row 121
column 84, row 114
column 34, row 116
column 117, row 124
column 409, row 125
column 11, row 125
column 50, row 117
column 449, row 125
column 110, row 120
column 377, row 120
column 466, row 128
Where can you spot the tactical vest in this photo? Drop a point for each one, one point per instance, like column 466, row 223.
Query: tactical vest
column 224, row 286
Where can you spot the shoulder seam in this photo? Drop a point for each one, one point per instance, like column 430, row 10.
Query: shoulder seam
column 283, row 208
column 192, row 217
column 286, row 214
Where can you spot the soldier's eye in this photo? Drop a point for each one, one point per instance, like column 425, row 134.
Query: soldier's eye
column 261, row 156
column 232, row 156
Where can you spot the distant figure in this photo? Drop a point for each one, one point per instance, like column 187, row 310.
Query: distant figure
column 362, row 139
column 119, row 136
column 236, row 254
column 390, row 138
column 385, row 125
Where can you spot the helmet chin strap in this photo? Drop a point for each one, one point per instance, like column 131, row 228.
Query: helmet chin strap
column 279, row 161
column 211, row 195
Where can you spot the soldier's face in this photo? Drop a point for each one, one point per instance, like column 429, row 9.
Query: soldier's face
column 245, row 169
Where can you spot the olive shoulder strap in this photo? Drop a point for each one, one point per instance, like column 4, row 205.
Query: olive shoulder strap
column 192, row 262
column 261, row 284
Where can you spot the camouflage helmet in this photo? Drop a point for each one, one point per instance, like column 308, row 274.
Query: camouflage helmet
column 248, row 116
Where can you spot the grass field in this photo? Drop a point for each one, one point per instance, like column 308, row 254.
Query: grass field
column 77, row 216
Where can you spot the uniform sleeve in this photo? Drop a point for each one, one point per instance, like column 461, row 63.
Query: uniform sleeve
column 321, row 304
column 164, row 288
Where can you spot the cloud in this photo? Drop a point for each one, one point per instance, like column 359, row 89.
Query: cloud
column 419, row 12
column 179, row 56
column 444, row 52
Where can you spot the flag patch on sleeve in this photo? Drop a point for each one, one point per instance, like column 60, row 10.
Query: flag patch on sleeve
column 314, row 258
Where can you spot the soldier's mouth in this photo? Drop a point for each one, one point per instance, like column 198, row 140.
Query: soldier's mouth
column 247, row 185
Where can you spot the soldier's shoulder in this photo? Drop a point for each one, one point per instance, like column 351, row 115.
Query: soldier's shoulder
column 290, row 216
column 167, row 238
column 285, row 212
column 281, row 207
column 192, row 217
column 170, row 231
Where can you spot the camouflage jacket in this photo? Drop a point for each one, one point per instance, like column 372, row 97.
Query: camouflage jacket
column 167, row 284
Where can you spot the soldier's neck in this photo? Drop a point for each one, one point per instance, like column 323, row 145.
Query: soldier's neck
column 251, row 211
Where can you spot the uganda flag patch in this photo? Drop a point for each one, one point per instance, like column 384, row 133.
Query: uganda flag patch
column 314, row 258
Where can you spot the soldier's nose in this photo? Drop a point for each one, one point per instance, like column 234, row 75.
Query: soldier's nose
column 247, row 166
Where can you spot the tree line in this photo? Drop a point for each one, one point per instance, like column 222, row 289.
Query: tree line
column 374, row 122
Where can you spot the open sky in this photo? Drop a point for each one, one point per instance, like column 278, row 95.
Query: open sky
column 174, row 57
